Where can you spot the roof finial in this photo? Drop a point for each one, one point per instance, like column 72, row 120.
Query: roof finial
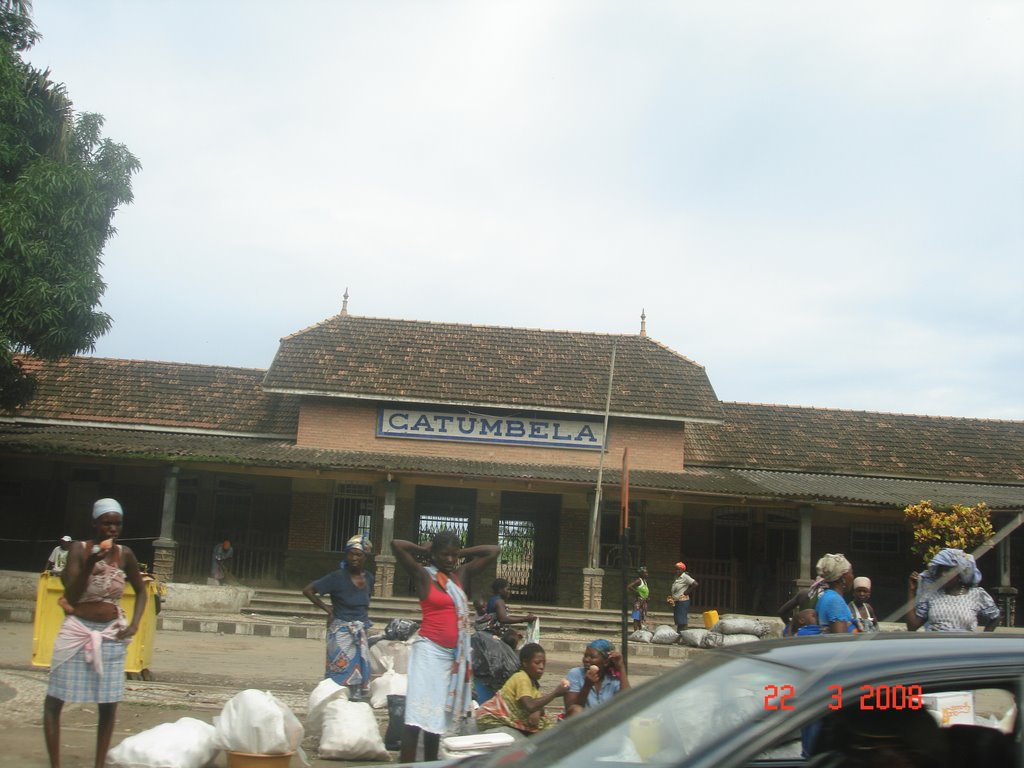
column 643, row 322
column 344, row 303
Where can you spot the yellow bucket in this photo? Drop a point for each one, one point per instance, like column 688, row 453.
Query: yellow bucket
column 710, row 619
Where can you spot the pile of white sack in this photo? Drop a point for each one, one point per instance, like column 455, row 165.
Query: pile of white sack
column 729, row 630
column 252, row 722
column 348, row 730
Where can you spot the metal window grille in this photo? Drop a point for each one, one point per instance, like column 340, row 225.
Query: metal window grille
column 875, row 538
column 352, row 514
column 432, row 524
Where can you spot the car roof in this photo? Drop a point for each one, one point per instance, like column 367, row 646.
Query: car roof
column 930, row 650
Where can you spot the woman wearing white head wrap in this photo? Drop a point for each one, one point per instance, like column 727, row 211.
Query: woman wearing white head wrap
column 947, row 597
column 864, row 617
column 348, row 617
column 90, row 649
column 833, row 613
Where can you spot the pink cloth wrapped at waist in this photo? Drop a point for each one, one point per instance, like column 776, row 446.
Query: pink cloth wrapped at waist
column 74, row 635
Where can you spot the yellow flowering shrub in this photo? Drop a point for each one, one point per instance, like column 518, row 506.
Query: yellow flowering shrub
column 959, row 527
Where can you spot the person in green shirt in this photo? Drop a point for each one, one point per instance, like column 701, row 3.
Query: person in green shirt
column 641, row 591
column 519, row 704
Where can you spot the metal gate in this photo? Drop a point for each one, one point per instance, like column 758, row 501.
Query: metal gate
column 528, row 540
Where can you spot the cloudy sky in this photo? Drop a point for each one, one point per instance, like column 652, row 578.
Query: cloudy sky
column 822, row 203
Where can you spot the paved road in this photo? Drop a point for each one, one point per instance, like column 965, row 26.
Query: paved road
column 195, row 673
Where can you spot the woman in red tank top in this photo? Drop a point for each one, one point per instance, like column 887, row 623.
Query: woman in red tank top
column 440, row 673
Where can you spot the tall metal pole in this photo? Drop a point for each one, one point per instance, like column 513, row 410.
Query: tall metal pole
column 626, row 556
column 595, row 515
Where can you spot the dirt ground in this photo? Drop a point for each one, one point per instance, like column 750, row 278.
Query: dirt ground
column 194, row 675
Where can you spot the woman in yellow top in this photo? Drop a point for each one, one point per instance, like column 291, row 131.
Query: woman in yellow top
column 519, row 704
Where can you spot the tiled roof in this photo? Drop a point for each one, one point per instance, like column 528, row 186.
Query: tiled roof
column 447, row 363
column 757, row 485
column 883, row 490
column 175, row 396
column 256, row 452
column 859, row 443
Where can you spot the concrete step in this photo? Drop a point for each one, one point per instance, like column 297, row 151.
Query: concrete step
column 286, row 603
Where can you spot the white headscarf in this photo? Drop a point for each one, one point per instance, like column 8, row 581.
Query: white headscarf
column 831, row 567
column 103, row 506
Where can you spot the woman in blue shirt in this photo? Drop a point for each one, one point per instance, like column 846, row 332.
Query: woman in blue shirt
column 350, row 587
column 601, row 676
column 833, row 613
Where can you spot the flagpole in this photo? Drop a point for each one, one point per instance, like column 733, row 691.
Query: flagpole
column 595, row 516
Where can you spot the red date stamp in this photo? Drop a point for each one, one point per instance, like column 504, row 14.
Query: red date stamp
column 778, row 697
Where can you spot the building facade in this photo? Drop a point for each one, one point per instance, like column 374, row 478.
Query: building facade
column 400, row 428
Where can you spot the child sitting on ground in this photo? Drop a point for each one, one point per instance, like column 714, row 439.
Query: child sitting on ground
column 519, row 704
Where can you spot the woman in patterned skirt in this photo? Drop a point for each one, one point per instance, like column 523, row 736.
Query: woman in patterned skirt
column 348, row 619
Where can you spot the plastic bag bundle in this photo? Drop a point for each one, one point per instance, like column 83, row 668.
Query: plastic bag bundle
column 397, row 650
column 256, row 722
column 187, row 743
column 641, row 636
column 494, row 661
column 350, row 732
column 391, row 683
column 401, row 629
column 693, row 638
column 664, row 635
column 741, row 626
column 325, row 692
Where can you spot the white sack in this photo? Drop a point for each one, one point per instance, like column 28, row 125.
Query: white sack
column 388, row 684
column 187, row 743
column 350, row 732
column 741, row 626
column 664, row 635
column 325, row 692
column 693, row 637
column 256, row 722
column 718, row 640
column 641, row 636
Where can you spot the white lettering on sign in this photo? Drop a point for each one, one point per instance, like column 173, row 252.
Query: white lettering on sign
column 515, row 430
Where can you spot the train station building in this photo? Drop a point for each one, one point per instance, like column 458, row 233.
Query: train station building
column 399, row 428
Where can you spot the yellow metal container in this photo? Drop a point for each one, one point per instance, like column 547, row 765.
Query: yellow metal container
column 710, row 619
column 50, row 616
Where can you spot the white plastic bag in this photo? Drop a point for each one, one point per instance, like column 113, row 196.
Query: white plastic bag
column 642, row 636
column 256, row 722
column 532, row 632
column 325, row 692
column 186, row 743
column 397, row 650
column 388, row 684
column 350, row 732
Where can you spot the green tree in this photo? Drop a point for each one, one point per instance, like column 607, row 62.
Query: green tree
column 959, row 527
column 60, row 184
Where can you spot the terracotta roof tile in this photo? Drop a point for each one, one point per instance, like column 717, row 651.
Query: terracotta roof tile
column 486, row 365
column 154, row 394
column 859, row 443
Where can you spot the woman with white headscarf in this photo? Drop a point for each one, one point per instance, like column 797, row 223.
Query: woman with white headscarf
column 348, row 618
column 834, row 614
column 948, row 596
column 90, row 649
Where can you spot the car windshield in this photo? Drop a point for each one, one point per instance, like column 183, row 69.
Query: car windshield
column 673, row 717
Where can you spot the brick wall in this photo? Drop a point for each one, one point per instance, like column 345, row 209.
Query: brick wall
column 308, row 528
column 352, row 426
